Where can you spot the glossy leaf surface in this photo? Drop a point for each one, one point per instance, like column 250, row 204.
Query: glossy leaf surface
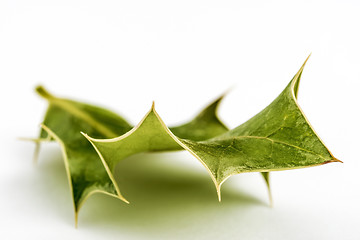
column 64, row 121
column 277, row 138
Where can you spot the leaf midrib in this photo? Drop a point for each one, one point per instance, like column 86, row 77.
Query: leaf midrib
column 280, row 142
column 101, row 128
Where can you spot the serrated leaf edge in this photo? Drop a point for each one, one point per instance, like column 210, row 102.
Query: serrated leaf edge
column 65, row 158
column 293, row 83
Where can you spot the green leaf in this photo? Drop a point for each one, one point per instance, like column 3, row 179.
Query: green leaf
column 277, row 138
column 63, row 122
column 86, row 174
column 204, row 126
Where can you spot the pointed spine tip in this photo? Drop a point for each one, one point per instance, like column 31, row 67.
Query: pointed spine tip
column 227, row 91
column 332, row 160
column 153, row 105
column 76, row 219
column 90, row 139
column 121, row 197
column 336, row 160
column 302, row 67
column 218, row 191
column 271, row 202
column 266, row 176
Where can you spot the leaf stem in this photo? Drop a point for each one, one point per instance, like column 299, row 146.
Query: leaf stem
column 44, row 93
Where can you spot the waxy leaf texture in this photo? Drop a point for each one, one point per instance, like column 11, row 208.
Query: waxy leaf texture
column 94, row 140
column 64, row 121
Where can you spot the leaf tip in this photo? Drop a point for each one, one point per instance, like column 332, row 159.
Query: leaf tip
column 296, row 79
column 76, row 219
column 271, row 201
column 227, row 91
column 303, row 66
column 333, row 160
column 218, row 191
column 266, row 176
column 119, row 196
column 306, row 61
column 90, row 139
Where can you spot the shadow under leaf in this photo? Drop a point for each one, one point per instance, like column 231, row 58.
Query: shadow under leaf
column 163, row 195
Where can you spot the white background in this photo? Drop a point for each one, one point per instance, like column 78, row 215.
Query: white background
column 182, row 54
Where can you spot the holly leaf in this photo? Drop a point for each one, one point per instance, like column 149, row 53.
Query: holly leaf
column 278, row 138
column 63, row 122
column 86, row 174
